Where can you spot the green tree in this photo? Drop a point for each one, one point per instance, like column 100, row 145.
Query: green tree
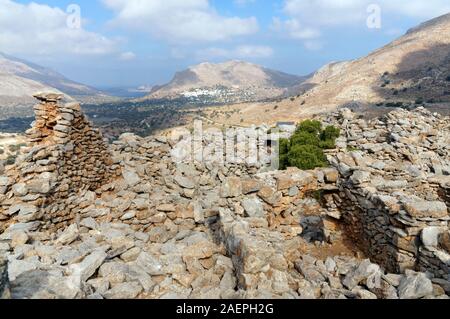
column 284, row 151
column 305, row 138
column 305, row 149
column 310, row 126
column 307, row 157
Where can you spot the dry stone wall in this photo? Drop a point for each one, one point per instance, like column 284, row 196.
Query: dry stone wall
column 66, row 157
column 143, row 226
column 394, row 188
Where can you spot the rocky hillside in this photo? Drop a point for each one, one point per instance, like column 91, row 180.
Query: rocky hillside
column 409, row 72
column 83, row 219
column 20, row 79
column 233, row 81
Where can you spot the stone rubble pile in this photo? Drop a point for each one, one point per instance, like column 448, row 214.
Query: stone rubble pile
column 112, row 261
column 148, row 227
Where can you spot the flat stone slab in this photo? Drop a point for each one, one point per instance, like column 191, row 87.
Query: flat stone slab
column 425, row 209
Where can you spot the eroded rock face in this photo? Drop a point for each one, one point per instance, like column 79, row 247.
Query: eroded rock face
column 159, row 229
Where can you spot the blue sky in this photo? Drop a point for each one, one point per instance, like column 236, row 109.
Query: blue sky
column 135, row 42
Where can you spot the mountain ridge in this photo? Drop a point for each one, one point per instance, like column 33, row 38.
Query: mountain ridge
column 411, row 71
column 233, row 78
column 20, row 79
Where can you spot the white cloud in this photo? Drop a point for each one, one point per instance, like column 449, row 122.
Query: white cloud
column 243, row 3
column 313, row 45
column 417, row 8
column 347, row 12
column 127, row 56
column 325, row 12
column 179, row 20
column 294, row 30
column 240, row 52
column 257, row 51
column 41, row 29
column 305, row 18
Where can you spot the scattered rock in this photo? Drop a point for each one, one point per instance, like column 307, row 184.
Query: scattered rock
column 19, row 238
column 424, row 209
column 127, row 290
column 88, row 266
column 68, row 236
column 415, row 286
column 253, row 207
column 430, row 236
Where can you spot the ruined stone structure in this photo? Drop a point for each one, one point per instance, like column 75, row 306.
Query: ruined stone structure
column 66, row 157
column 394, row 188
column 141, row 225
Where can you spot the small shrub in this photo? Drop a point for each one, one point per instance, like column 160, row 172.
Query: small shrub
column 394, row 104
column 330, row 133
column 2, row 151
column 292, row 99
column 447, row 78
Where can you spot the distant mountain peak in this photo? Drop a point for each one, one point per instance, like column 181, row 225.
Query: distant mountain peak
column 238, row 80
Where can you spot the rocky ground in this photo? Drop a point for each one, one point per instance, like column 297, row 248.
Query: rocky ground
column 196, row 230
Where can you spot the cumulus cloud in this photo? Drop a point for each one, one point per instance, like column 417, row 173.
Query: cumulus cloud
column 240, row 52
column 332, row 12
column 41, row 29
column 179, row 20
column 294, row 29
column 127, row 56
column 305, row 18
